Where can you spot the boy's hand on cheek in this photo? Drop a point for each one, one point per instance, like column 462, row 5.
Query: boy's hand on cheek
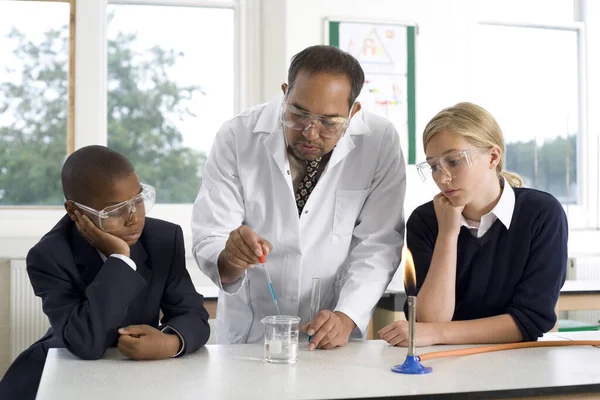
column 104, row 242
column 143, row 342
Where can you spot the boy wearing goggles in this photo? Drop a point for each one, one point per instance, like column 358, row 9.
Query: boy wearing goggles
column 105, row 272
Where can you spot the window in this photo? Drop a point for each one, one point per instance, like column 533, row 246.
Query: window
column 527, row 77
column 34, row 93
column 169, row 90
column 540, row 11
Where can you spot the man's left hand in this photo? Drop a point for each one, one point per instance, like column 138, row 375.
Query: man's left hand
column 329, row 329
column 143, row 342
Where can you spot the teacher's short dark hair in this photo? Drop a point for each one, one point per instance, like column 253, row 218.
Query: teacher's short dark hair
column 331, row 60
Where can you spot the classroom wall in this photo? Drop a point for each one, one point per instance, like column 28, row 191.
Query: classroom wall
column 442, row 43
column 273, row 34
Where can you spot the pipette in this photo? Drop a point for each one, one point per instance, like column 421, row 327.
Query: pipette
column 263, row 260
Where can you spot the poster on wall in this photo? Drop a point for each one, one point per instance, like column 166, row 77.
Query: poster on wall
column 386, row 51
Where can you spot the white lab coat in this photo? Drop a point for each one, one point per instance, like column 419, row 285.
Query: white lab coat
column 350, row 232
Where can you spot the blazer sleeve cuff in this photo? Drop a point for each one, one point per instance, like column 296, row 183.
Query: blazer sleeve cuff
column 170, row 330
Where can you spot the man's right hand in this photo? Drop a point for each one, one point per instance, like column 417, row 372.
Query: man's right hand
column 104, row 242
column 244, row 249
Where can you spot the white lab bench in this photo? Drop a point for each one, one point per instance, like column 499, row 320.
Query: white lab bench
column 359, row 370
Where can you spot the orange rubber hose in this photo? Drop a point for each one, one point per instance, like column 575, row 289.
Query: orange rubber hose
column 506, row 346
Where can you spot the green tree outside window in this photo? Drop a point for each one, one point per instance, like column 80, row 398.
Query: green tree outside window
column 142, row 101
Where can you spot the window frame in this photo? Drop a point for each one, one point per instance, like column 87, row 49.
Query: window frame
column 583, row 214
column 243, row 25
column 71, row 90
column 87, row 111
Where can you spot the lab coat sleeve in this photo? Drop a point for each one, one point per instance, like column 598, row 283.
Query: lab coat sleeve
column 219, row 207
column 377, row 238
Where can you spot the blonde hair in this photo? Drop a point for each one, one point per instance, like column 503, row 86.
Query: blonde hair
column 477, row 126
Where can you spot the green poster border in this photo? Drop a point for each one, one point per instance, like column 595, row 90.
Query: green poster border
column 411, row 95
column 334, row 40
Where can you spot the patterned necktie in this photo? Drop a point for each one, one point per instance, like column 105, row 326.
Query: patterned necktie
column 309, row 180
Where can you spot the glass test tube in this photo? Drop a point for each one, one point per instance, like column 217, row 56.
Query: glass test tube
column 315, row 299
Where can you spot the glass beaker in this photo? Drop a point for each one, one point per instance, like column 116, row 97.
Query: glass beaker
column 281, row 338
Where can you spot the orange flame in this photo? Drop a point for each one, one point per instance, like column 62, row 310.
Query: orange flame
column 410, row 276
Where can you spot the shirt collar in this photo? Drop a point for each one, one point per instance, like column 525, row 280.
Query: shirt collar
column 503, row 210
column 102, row 256
column 506, row 205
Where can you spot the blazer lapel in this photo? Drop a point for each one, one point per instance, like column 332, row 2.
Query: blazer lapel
column 139, row 256
column 143, row 268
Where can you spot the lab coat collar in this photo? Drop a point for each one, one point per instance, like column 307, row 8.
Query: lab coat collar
column 275, row 142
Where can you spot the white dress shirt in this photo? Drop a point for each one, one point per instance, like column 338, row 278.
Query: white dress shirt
column 503, row 211
column 126, row 259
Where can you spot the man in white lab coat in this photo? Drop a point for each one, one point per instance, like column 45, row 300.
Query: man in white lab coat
column 314, row 185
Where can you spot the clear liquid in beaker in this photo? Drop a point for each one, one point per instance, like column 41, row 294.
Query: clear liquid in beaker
column 281, row 339
column 281, row 351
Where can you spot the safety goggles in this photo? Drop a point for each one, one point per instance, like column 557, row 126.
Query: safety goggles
column 452, row 164
column 116, row 216
column 299, row 120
